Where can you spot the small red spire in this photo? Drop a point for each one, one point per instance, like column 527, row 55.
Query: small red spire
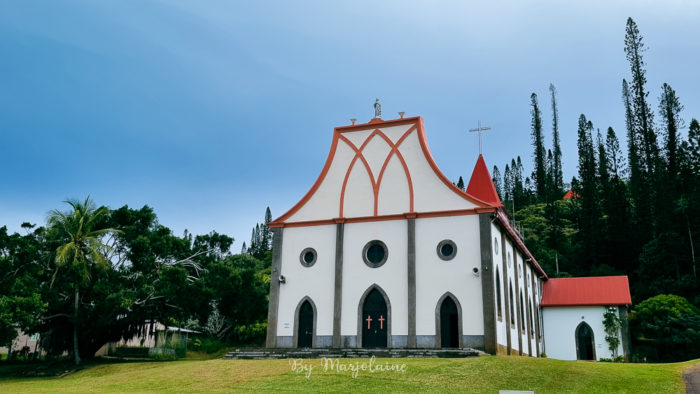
column 481, row 186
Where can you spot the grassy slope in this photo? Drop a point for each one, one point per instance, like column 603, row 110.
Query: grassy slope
column 483, row 374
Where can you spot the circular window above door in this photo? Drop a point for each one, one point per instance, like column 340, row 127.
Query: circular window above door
column 446, row 249
column 375, row 254
column 308, row 257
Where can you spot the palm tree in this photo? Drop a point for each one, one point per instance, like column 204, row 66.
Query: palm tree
column 82, row 249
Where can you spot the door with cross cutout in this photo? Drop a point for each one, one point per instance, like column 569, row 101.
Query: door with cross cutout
column 374, row 321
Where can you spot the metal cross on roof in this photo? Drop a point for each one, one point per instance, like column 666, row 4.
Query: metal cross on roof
column 479, row 130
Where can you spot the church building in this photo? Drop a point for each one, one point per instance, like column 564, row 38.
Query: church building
column 384, row 251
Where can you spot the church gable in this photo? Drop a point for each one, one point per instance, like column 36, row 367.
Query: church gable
column 379, row 169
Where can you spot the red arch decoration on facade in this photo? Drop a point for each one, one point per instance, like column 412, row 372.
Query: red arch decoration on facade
column 417, row 123
column 376, row 184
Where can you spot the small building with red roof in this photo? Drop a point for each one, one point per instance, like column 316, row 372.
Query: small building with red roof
column 384, row 251
column 573, row 310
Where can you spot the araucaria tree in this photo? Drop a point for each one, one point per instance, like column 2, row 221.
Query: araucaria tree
column 540, row 172
column 557, row 173
column 670, row 110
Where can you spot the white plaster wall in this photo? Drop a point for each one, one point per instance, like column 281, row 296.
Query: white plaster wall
column 316, row 281
column 521, row 291
column 430, row 193
column 531, row 307
column 510, row 266
column 392, row 277
column 359, row 195
column 497, row 254
column 435, row 277
column 394, row 194
column 560, row 331
column 325, row 203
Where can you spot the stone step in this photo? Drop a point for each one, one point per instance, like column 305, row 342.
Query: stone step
column 261, row 354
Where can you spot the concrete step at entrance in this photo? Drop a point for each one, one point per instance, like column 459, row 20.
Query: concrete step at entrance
column 263, row 354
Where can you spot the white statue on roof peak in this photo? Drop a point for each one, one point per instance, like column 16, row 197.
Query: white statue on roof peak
column 377, row 109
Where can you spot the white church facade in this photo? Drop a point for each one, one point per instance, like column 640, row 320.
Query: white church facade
column 384, row 251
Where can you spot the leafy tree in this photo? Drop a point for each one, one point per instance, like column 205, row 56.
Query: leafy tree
column 667, row 328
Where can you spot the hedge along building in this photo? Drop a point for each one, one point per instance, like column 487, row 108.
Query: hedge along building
column 384, row 251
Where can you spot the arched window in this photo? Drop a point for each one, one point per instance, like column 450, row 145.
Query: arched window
column 498, row 295
column 532, row 321
column 512, row 309
column 522, row 314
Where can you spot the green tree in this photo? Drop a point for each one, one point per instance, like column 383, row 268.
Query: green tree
column 588, row 192
column 643, row 116
column 496, row 178
column 666, row 328
column 557, row 172
column 460, row 183
column 82, row 251
column 670, row 111
column 539, row 155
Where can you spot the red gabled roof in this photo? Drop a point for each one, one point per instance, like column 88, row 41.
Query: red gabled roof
column 570, row 194
column 481, row 185
column 596, row 290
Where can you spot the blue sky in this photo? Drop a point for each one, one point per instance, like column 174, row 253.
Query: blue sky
column 210, row 111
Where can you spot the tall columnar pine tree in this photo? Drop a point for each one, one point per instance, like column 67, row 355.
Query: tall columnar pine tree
column 557, row 171
column 670, row 111
column 615, row 158
column 589, row 213
column 643, row 116
column 460, row 183
column 518, row 186
column 508, row 186
column 619, row 241
column 638, row 176
column 496, row 178
column 539, row 154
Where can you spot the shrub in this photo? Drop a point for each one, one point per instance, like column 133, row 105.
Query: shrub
column 666, row 328
column 250, row 334
column 206, row 345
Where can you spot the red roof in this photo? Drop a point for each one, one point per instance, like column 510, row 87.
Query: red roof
column 481, row 186
column 570, row 194
column 596, row 290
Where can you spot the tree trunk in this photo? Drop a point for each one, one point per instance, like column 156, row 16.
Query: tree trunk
column 692, row 247
column 76, row 353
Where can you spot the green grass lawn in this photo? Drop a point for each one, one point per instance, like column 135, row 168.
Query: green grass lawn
column 482, row 374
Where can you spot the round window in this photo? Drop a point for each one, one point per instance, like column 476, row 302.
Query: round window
column 495, row 245
column 447, row 249
column 308, row 257
column 375, row 253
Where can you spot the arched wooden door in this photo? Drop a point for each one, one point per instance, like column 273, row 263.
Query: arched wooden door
column 449, row 324
column 306, row 325
column 374, row 321
column 585, row 348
